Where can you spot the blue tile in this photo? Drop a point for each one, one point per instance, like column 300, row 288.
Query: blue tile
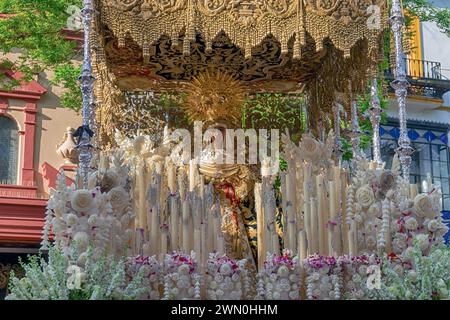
column 444, row 138
column 430, row 136
column 382, row 131
column 395, row 133
column 413, row 134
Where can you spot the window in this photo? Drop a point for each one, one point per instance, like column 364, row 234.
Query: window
column 431, row 155
column 9, row 143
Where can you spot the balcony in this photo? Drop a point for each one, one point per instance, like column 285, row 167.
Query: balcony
column 426, row 78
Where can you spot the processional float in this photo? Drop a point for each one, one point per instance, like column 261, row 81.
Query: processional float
column 301, row 232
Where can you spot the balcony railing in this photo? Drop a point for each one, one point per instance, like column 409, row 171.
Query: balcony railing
column 423, row 69
column 425, row 78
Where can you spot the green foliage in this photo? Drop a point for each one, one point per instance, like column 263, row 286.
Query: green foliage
column 66, row 76
column 429, row 278
column 34, row 28
column 426, row 11
column 101, row 279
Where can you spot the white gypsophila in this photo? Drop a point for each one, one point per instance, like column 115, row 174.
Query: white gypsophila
column 423, row 241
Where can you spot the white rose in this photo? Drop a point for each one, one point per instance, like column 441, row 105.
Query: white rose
column 183, row 269
column 433, row 225
column 109, row 179
column 225, row 269
column 71, row 219
column 82, row 200
column 408, row 254
column 283, row 271
column 276, row 295
column 93, row 220
column 422, row 205
column 118, row 198
column 423, row 241
column 213, row 285
column 411, row 223
column 364, row 196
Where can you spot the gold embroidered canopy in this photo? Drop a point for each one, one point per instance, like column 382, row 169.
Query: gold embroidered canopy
column 312, row 46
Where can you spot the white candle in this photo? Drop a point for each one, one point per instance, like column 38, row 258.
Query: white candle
column 140, row 177
column 313, row 239
column 260, row 226
column 163, row 250
column 307, row 206
column 154, row 229
column 413, row 190
column 174, row 220
column 185, row 220
column 320, row 214
column 290, row 212
column 332, row 201
column 192, row 174
column 302, row 245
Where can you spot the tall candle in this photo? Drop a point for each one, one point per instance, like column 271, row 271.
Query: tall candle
column 171, row 177
column 320, row 214
column 313, row 239
column 154, row 229
column 306, row 205
column 332, row 201
column 163, row 250
column 140, row 176
column 302, row 245
column 192, row 174
column 185, row 220
column 174, row 220
column 260, row 226
column 290, row 212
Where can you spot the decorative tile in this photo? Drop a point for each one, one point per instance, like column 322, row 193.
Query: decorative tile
column 413, row 134
column 395, row 133
column 430, row 136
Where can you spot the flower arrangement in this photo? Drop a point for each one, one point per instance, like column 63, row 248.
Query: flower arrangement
column 150, row 269
column 323, row 280
column 102, row 278
column 425, row 277
column 225, row 278
column 355, row 272
column 181, row 277
column 281, row 277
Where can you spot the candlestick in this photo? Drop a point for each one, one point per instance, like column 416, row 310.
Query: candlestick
column 400, row 85
column 302, row 245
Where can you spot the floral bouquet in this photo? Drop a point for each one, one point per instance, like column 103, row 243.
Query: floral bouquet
column 181, row 280
column 225, row 278
column 281, row 277
column 150, row 269
column 356, row 272
column 323, row 278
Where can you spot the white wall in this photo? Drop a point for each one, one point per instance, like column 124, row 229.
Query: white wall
column 436, row 45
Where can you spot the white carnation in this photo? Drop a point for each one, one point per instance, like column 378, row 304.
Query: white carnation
column 82, row 200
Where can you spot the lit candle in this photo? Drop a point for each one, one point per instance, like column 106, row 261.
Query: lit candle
column 413, row 190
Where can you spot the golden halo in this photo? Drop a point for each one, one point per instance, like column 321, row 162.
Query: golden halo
column 214, row 96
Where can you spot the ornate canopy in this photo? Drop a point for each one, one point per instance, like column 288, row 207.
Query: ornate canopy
column 269, row 45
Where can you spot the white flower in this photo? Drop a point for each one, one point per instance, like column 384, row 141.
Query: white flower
column 399, row 244
column 82, row 200
column 71, row 219
column 293, row 295
column 218, row 278
column 364, row 196
column 174, row 291
column 283, row 271
column 81, row 239
column 411, row 223
column 422, row 205
column 183, row 269
column 93, row 220
column 219, row 293
column 109, row 179
column 423, row 241
column 225, row 269
column 433, row 225
column 413, row 276
column 213, row 285
column 82, row 259
column 408, row 253
column 118, row 198
column 276, row 295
